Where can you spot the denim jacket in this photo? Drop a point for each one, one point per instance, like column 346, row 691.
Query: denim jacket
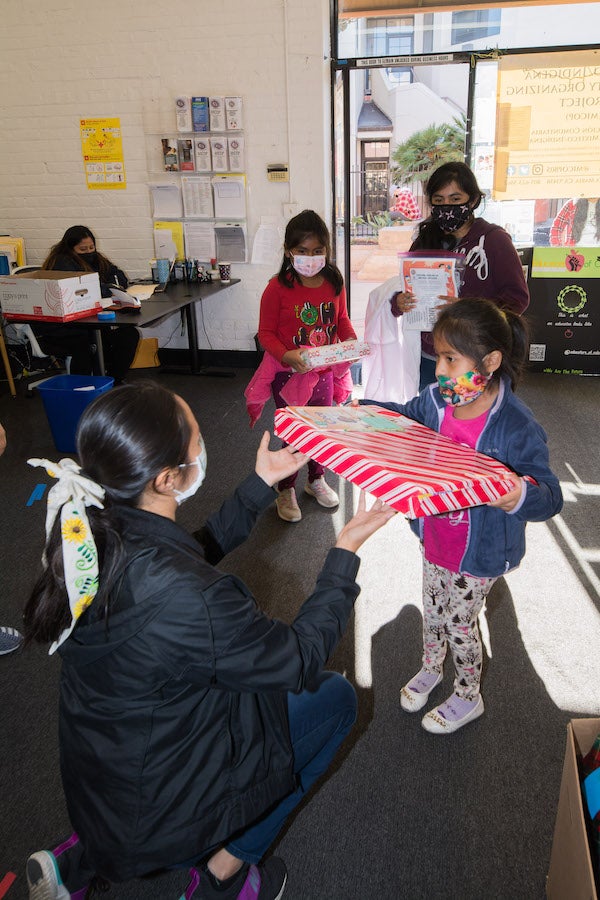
column 496, row 540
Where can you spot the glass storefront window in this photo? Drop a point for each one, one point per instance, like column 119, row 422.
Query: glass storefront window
column 512, row 27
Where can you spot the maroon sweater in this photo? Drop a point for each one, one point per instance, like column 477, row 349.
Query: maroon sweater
column 493, row 270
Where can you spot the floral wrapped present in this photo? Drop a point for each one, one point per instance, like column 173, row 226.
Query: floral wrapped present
column 331, row 354
column 404, row 463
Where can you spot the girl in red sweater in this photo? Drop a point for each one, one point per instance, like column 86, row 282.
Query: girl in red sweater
column 304, row 305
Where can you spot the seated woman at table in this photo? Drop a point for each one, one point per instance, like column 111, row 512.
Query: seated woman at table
column 76, row 252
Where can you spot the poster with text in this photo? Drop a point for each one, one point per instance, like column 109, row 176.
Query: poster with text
column 564, row 313
column 102, row 149
column 548, row 126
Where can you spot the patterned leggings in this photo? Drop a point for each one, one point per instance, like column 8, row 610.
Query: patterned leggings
column 451, row 604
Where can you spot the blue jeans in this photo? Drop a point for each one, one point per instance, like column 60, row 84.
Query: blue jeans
column 319, row 722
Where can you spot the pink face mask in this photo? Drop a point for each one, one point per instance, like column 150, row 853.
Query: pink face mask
column 308, row 265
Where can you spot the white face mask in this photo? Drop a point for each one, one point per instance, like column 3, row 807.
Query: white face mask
column 308, row 265
column 200, row 461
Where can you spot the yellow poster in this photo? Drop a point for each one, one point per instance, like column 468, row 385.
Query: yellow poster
column 548, row 126
column 102, row 150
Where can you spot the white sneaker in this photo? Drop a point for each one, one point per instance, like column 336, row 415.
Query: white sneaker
column 287, row 506
column 323, row 494
column 43, row 878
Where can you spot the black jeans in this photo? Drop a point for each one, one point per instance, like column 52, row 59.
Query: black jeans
column 77, row 342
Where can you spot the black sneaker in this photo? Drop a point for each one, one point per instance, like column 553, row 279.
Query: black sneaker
column 266, row 882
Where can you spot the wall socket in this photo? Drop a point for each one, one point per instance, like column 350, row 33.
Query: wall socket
column 290, row 210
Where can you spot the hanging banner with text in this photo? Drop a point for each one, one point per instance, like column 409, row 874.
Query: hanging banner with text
column 102, row 150
column 564, row 313
column 548, row 126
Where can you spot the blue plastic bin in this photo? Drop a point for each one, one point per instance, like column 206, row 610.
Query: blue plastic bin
column 65, row 397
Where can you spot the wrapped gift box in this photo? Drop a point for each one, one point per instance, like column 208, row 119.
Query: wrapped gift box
column 404, row 463
column 330, row 354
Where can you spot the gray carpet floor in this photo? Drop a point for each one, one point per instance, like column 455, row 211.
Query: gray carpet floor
column 403, row 814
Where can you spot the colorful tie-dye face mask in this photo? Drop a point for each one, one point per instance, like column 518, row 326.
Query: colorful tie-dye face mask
column 463, row 389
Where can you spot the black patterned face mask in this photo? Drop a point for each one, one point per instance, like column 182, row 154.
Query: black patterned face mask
column 450, row 216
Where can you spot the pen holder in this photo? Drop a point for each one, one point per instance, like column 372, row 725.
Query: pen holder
column 225, row 272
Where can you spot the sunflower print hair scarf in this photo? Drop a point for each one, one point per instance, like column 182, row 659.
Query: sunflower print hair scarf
column 71, row 495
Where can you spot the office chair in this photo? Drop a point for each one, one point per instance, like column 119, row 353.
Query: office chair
column 24, row 330
column 6, row 361
column 3, row 351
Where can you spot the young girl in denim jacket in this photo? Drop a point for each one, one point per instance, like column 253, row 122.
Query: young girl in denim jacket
column 480, row 351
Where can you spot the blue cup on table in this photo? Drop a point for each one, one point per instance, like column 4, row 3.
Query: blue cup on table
column 4, row 264
column 163, row 267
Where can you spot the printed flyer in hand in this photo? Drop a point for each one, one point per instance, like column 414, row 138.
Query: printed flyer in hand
column 429, row 275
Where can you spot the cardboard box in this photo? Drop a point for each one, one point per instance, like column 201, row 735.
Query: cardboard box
column 146, row 355
column 50, row 296
column 571, row 873
column 398, row 460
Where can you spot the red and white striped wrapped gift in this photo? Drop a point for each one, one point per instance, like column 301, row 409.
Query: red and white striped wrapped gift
column 404, row 463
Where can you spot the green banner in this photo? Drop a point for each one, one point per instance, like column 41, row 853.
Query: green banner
column 563, row 262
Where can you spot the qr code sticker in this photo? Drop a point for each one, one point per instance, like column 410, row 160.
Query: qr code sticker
column 537, row 352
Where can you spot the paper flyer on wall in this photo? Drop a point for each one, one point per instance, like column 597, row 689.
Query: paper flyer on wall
column 231, row 242
column 230, row 196
column 168, row 240
column 267, row 247
column 428, row 275
column 197, row 196
column 166, row 201
column 199, row 240
column 102, row 149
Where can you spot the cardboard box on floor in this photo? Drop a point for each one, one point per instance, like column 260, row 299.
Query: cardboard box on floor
column 146, row 355
column 51, row 296
column 571, row 874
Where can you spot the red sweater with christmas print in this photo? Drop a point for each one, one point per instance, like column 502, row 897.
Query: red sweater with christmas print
column 298, row 316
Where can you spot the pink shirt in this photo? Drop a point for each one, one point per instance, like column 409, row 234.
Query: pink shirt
column 445, row 536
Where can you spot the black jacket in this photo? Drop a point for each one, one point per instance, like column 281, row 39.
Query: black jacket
column 173, row 718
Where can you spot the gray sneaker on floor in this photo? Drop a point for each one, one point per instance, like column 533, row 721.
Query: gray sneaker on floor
column 323, row 494
column 10, row 639
column 287, row 506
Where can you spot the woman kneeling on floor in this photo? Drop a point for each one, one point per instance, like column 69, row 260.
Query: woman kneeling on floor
column 190, row 723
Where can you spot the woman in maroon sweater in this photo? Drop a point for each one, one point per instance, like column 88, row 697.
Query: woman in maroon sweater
column 492, row 267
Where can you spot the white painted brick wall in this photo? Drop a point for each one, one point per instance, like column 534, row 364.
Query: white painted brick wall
column 61, row 61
